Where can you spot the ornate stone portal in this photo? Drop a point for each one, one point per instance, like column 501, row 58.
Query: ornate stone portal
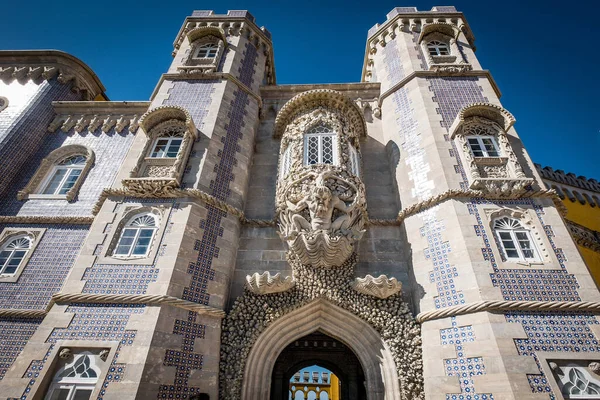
column 321, row 211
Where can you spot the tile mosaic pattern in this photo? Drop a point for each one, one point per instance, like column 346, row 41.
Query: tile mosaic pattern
column 183, row 360
column 46, row 270
column 453, row 93
column 194, row 95
column 14, row 334
column 110, row 150
column 393, row 64
column 27, row 124
column 463, row 367
column 247, row 69
column 101, row 322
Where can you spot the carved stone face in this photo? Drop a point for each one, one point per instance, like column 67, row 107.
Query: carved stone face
column 321, row 200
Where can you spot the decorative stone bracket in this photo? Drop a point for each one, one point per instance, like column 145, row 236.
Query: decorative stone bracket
column 381, row 287
column 266, row 284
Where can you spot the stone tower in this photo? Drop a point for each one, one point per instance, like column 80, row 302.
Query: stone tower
column 231, row 232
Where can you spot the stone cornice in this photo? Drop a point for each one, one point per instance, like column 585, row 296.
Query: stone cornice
column 352, row 90
column 583, row 236
column 39, row 65
column 208, row 76
column 94, row 115
column 232, row 26
column 423, row 74
column 41, row 219
column 570, row 179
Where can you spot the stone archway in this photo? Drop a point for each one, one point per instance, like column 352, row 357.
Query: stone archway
column 320, row 315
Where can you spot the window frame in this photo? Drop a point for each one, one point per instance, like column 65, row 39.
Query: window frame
column 74, row 383
column 516, row 242
column 320, row 136
column 11, row 233
column 54, row 170
column 127, row 226
column 483, row 149
column 439, row 44
column 24, row 258
column 169, row 140
column 214, row 48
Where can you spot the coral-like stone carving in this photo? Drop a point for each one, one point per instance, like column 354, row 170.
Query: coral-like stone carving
column 381, row 287
column 321, row 214
column 266, row 284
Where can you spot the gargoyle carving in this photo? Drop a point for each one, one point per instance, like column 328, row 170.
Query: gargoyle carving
column 321, row 215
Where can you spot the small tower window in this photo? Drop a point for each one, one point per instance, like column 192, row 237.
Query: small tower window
column 13, row 253
column 437, row 48
column 515, row 240
column 320, row 145
column 64, row 175
column 167, row 146
column 483, row 146
column 136, row 236
column 206, row 50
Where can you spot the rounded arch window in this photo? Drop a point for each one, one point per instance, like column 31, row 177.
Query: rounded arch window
column 12, row 254
column 438, row 48
column 515, row 240
column 137, row 235
column 64, row 175
column 76, row 380
column 167, row 145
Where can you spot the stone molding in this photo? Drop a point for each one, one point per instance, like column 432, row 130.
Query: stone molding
column 202, row 31
column 41, row 219
column 92, row 116
column 592, row 307
column 197, row 37
column 488, row 111
column 326, row 98
column 40, row 65
column 570, row 178
column 584, row 236
column 157, row 174
column 381, row 287
column 266, row 284
column 86, row 298
column 46, row 165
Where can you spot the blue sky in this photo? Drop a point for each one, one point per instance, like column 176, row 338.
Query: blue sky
column 542, row 54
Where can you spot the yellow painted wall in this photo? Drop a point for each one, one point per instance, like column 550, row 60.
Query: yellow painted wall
column 334, row 392
column 585, row 215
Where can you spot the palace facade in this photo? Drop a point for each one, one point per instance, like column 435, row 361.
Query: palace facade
column 232, row 238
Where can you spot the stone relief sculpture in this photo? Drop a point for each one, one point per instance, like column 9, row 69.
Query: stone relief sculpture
column 321, row 216
column 266, row 283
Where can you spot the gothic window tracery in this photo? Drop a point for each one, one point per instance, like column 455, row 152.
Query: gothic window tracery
column 76, row 380
column 137, row 235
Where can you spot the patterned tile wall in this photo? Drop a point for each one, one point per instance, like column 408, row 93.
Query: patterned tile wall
column 25, row 132
column 465, row 368
column 14, row 334
column 185, row 359
column 101, row 322
column 47, row 268
column 194, row 95
column 110, row 150
column 546, row 332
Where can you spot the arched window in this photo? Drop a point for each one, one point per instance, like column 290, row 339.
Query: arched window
column 206, row 50
column 76, row 380
column 320, row 145
column 286, row 162
column 515, row 240
column 437, row 48
column 167, row 145
column 64, row 175
column 481, row 142
column 137, row 236
column 12, row 254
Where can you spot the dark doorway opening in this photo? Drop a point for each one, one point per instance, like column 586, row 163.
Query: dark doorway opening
column 318, row 349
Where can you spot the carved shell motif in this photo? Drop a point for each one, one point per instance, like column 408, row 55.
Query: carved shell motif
column 380, row 287
column 266, row 284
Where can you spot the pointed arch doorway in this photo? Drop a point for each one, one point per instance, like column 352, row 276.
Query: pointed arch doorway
column 375, row 358
column 317, row 349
